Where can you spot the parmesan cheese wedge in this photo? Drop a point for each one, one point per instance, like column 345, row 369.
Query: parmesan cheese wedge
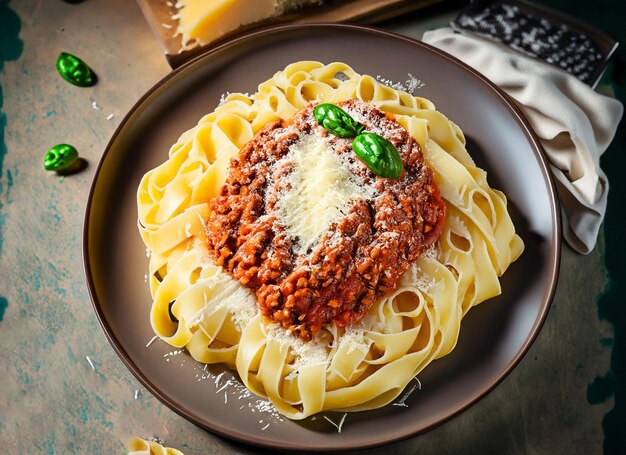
column 205, row 21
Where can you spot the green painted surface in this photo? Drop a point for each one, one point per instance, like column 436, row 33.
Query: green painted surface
column 610, row 16
column 3, row 307
column 10, row 49
column 11, row 45
column 54, row 401
column 601, row 389
column 612, row 303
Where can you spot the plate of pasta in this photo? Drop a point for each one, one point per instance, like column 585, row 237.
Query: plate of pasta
column 301, row 243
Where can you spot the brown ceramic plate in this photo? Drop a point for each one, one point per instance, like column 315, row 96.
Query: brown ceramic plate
column 494, row 336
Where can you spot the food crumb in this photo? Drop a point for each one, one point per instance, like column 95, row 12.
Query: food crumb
column 90, row 363
column 340, row 424
column 409, row 86
column 151, row 341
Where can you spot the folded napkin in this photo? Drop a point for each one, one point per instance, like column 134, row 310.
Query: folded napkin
column 574, row 123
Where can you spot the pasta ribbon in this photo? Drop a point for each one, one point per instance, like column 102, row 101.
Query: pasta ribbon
column 139, row 446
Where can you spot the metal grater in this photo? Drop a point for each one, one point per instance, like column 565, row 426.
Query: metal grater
column 540, row 33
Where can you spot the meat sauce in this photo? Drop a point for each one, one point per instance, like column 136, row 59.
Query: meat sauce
column 361, row 255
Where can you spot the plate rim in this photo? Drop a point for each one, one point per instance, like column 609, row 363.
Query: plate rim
column 246, row 438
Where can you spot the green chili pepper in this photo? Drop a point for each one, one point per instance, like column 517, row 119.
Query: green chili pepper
column 75, row 71
column 60, row 157
column 378, row 154
column 337, row 121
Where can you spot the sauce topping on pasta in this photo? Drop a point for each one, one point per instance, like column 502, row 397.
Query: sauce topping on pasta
column 312, row 230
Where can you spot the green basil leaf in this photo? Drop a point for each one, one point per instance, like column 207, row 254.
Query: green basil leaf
column 75, row 71
column 60, row 157
column 337, row 121
column 380, row 155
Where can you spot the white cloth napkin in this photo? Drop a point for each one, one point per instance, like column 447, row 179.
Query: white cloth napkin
column 574, row 123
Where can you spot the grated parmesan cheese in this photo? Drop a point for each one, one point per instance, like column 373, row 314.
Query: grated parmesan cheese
column 459, row 226
column 306, row 353
column 320, row 190
column 415, row 278
column 316, row 351
column 409, row 86
column 355, row 338
column 226, row 292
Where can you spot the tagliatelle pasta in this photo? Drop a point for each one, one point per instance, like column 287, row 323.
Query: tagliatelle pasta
column 366, row 365
column 139, row 446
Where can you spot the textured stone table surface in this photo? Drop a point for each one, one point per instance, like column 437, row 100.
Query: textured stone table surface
column 62, row 388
